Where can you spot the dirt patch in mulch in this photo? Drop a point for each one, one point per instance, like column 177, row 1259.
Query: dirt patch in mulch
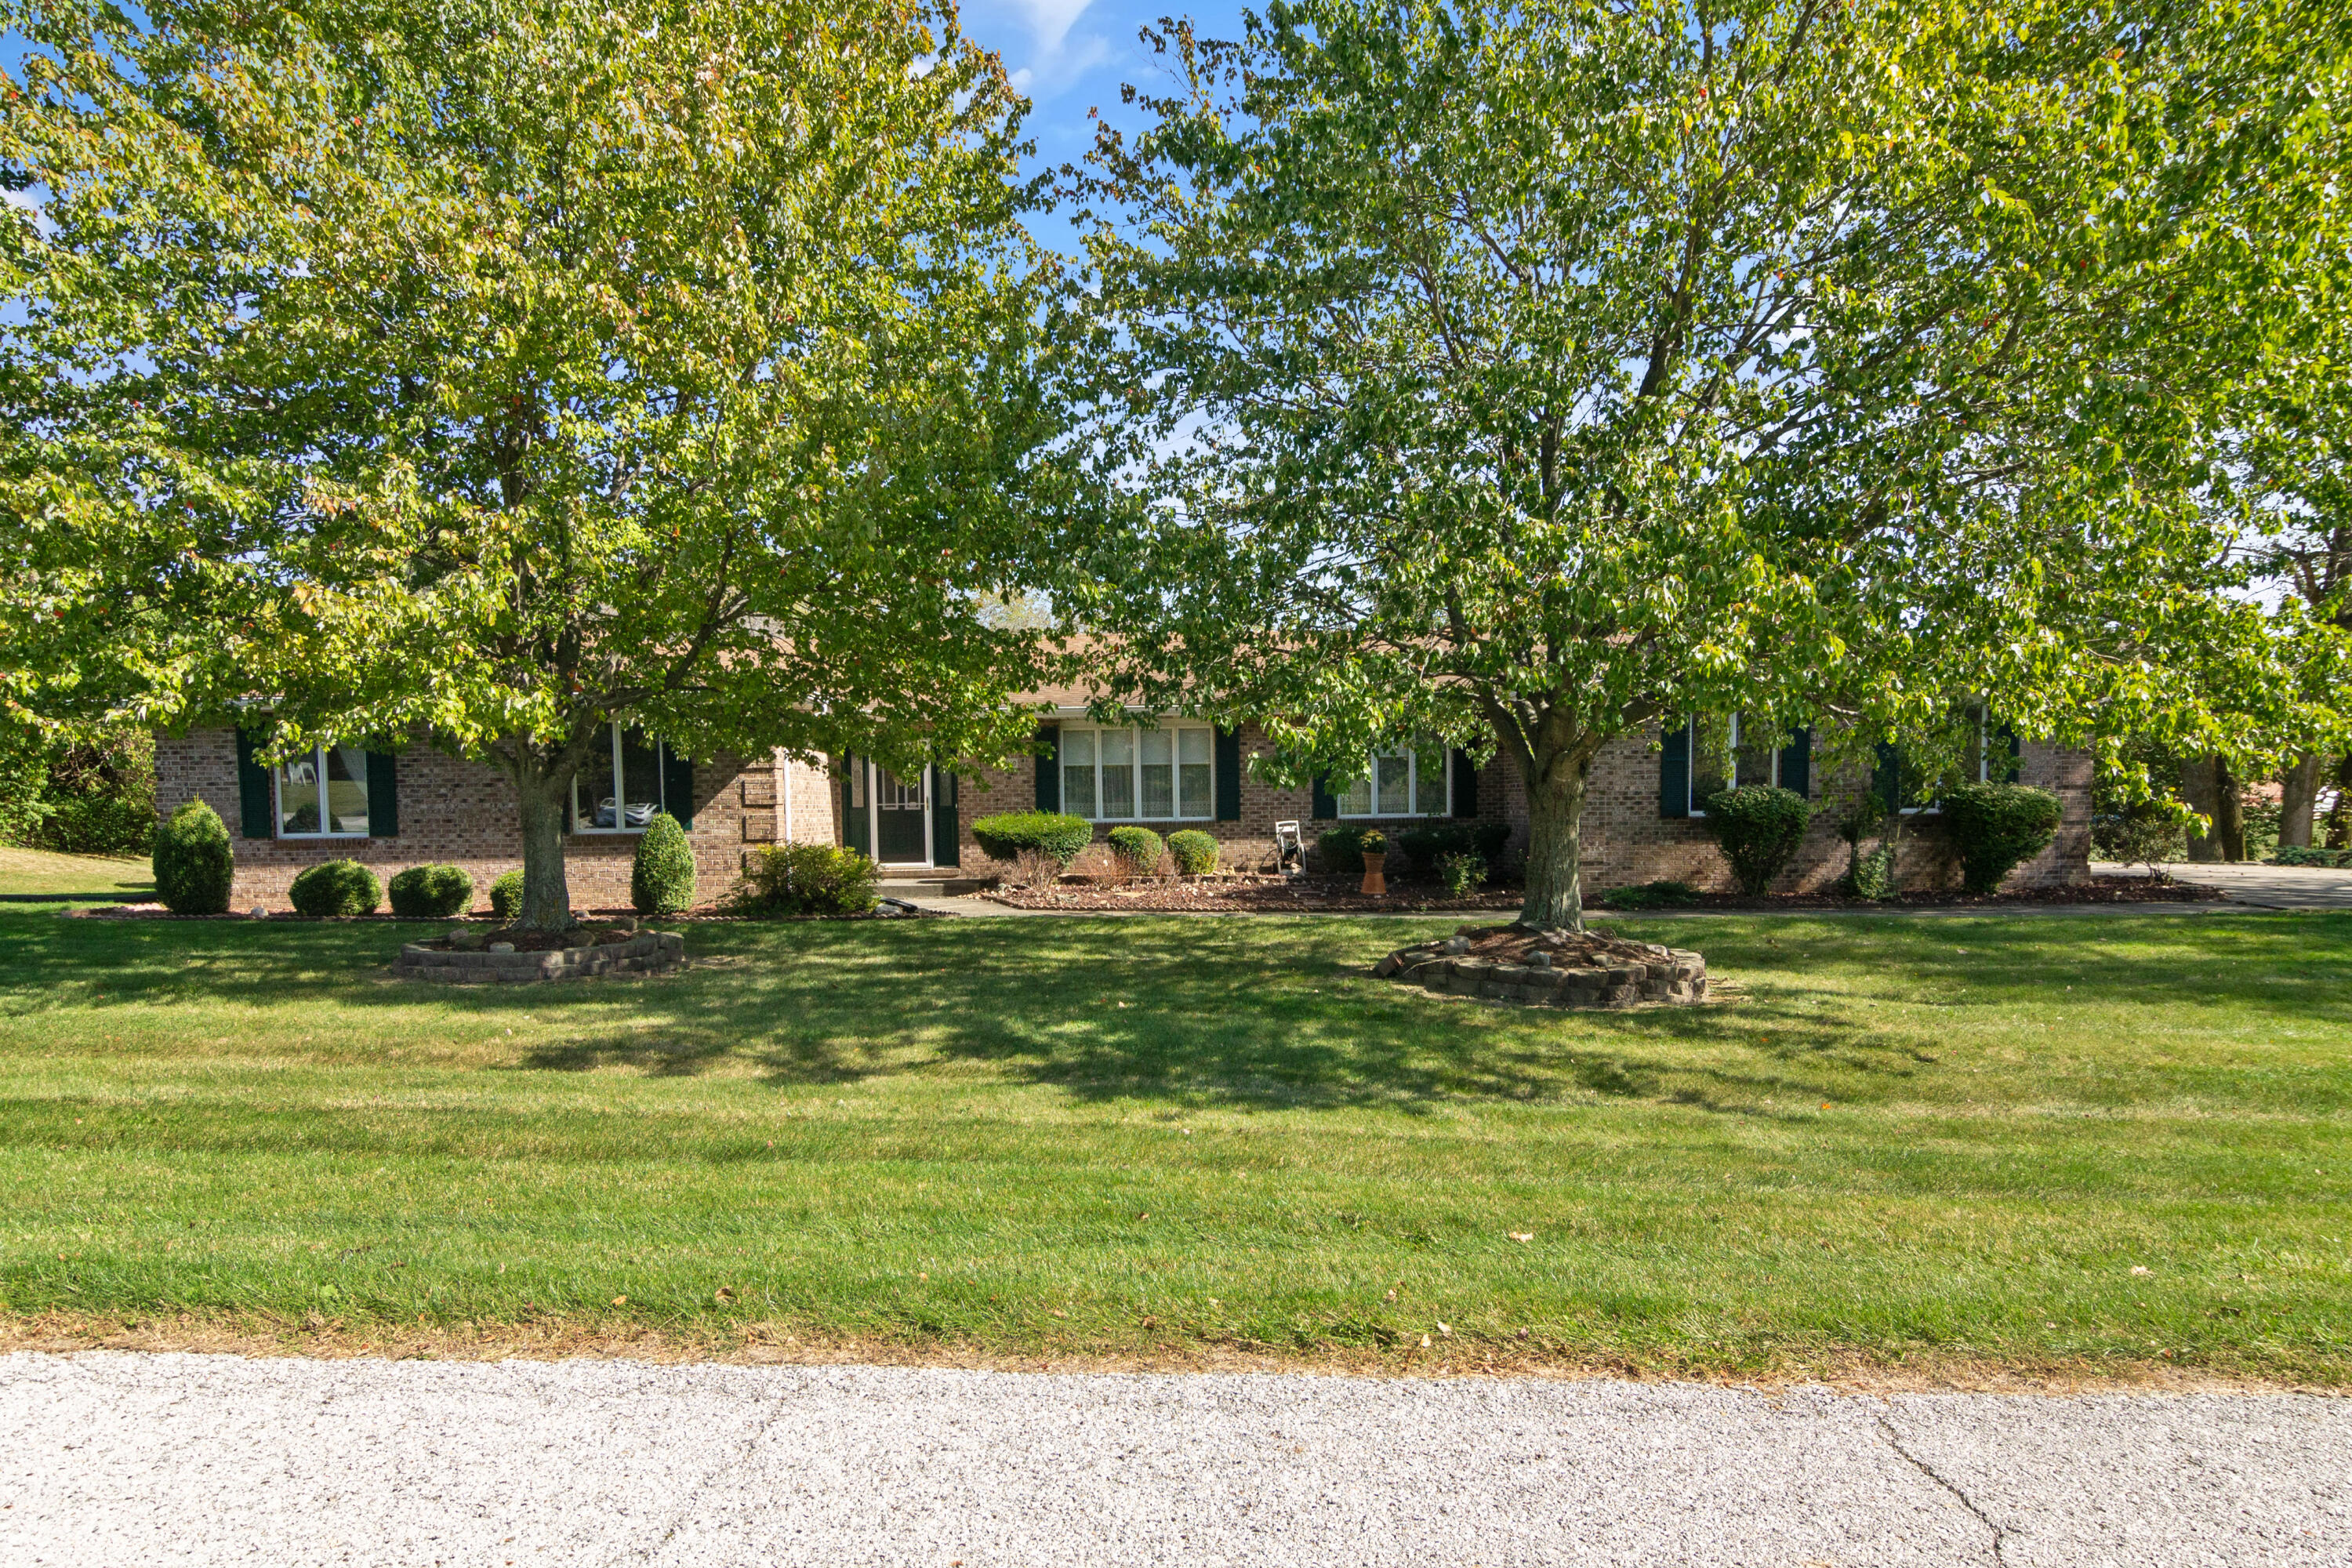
column 760, row 1343
column 1270, row 896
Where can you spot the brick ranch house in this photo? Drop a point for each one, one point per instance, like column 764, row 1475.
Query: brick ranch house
column 390, row 810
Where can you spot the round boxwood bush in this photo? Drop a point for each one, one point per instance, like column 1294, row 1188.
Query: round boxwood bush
column 192, row 861
column 506, row 895
column 431, row 892
column 1138, row 849
column 1994, row 826
column 661, row 879
column 1195, row 852
column 1005, row 837
column 335, row 888
column 1758, row 827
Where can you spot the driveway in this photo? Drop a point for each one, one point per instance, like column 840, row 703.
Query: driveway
column 120, row 1458
column 2273, row 887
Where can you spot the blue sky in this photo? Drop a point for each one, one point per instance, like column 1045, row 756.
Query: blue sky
column 1070, row 56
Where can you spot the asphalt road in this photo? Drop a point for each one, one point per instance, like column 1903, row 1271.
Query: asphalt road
column 118, row 1459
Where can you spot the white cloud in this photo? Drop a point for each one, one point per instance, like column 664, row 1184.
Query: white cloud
column 1050, row 20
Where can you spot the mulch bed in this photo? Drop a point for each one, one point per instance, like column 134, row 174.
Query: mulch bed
column 1272, row 896
column 2102, row 890
column 1339, row 895
column 478, row 941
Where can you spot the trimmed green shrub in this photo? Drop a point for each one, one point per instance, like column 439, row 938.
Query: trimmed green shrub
column 1195, row 852
column 661, row 878
column 1995, row 827
column 194, row 862
column 1049, row 832
column 1425, row 845
column 506, row 895
column 806, row 879
column 1462, row 874
column 1871, row 876
column 1340, row 852
column 1758, row 827
column 333, row 889
column 2302, row 855
column 1650, row 896
column 1138, row 849
column 431, row 892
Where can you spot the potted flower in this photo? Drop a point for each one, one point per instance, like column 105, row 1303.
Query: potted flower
column 1376, row 854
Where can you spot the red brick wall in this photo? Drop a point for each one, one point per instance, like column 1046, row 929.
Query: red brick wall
column 463, row 813
column 1626, row 840
column 460, row 813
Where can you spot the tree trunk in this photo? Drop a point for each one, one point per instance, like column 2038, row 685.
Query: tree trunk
column 2298, row 798
column 1555, row 892
column 2339, row 812
column 546, row 898
column 2200, row 789
column 2230, row 817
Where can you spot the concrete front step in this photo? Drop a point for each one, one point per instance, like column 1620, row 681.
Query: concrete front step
column 945, row 886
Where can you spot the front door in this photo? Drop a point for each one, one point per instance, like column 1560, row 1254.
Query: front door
column 900, row 834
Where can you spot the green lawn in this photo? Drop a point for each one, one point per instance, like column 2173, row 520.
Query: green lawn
column 83, row 876
column 1927, row 1139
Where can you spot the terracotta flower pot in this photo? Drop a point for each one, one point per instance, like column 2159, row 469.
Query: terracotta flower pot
column 1373, row 881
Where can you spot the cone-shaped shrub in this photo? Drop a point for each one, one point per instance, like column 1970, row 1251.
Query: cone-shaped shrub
column 194, row 862
column 1996, row 825
column 1758, row 828
column 661, row 882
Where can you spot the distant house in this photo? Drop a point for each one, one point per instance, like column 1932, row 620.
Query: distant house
column 1644, row 817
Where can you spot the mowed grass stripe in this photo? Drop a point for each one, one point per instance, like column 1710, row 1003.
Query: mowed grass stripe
column 243, row 1118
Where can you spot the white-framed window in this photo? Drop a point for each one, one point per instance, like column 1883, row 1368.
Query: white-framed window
column 1990, row 756
column 1719, row 762
column 323, row 794
column 619, row 788
column 1128, row 773
column 1404, row 781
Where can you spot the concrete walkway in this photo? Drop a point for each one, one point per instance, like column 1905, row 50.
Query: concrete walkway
column 111, row 1459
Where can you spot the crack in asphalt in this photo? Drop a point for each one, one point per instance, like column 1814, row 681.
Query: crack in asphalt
column 749, row 1445
column 2000, row 1536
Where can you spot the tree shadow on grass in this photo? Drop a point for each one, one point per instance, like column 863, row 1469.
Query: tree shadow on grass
column 1252, row 1014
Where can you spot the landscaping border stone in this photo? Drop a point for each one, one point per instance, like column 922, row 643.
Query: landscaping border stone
column 1560, row 970
column 648, row 953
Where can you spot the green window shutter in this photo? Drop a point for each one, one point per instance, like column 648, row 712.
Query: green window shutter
column 1465, row 784
column 383, row 794
column 1229, row 775
column 856, row 827
column 678, row 787
column 255, row 809
column 1323, row 805
column 1797, row 762
column 944, row 836
column 1673, row 771
column 1049, row 767
column 1887, row 782
column 2010, row 756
